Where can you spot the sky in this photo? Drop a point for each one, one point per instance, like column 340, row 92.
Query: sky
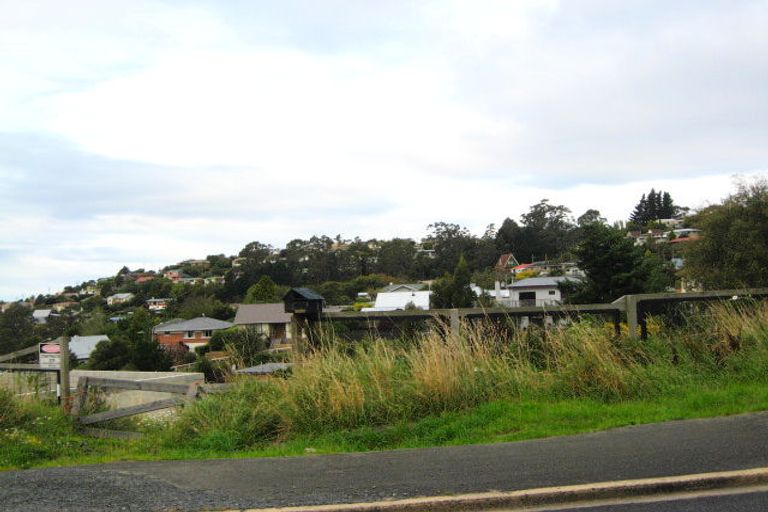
column 147, row 132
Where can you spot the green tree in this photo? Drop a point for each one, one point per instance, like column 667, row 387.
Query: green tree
column 453, row 291
column 17, row 328
column 263, row 292
column 613, row 265
column 111, row 354
column 733, row 249
column 396, row 257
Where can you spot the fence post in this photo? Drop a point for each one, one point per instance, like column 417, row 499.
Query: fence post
column 64, row 369
column 632, row 315
column 455, row 323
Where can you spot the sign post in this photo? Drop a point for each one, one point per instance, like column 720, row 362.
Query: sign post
column 64, row 372
column 50, row 354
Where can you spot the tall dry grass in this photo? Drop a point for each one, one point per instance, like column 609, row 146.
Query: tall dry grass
column 343, row 386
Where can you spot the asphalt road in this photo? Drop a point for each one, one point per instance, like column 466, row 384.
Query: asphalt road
column 727, row 502
column 667, row 449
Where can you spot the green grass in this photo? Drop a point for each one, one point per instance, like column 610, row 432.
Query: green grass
column 489, row 385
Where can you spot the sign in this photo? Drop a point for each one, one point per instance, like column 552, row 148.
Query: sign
column 49, row 355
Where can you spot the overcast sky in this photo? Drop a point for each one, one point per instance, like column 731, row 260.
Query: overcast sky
column 146, row 132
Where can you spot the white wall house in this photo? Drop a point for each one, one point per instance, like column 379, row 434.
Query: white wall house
column 394, row 301
column 534, row 291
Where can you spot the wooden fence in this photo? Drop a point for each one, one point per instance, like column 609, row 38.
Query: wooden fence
column 635, row 307
column 186, row 393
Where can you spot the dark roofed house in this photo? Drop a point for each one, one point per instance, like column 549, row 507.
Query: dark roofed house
column 268, row 319
column 192, row 333
column 303, row 301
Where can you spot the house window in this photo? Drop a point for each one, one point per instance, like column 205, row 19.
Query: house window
column 551, row 292
column 208, row 334
column 190, row 334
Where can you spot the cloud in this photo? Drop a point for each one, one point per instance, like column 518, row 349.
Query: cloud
column 148, row 132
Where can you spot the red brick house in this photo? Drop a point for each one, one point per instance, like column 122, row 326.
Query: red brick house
column 190, row 333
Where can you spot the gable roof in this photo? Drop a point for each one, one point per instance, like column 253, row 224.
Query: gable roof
column 404, row 287
column 202, row 323
column 273, row 313
column 391, row 301
column 305, row 293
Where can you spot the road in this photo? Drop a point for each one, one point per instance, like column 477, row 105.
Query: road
column 667, row 449
column 728, row 501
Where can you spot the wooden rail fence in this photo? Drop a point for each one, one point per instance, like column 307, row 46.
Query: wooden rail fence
column 186, row 392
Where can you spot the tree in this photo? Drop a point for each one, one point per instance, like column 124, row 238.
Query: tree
column 613, row 265
column 396, row 257
column 654, row 206
column 263, row 292
column 547, row 232
column 112, row 354
column 453, row 291
column 17, row 328
column 590, row 217
column 733, row 249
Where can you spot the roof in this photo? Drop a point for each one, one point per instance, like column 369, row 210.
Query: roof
column 406, row 287
column 264, row 369
column 41, row 313
column 391, row 301
column 202, row 323
column 127, row 295
column 305, row 293
column 262, row 314
column 507, row 260
column 542, row 282
column 82, row 346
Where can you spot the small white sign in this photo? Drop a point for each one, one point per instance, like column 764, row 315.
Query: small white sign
column 50, row 355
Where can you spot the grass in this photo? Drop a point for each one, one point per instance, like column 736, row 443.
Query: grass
column 491, row 384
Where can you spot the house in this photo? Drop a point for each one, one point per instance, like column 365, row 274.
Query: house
column 268, row 319
column 506, row 263
column 196, row 263
column 83, row 346
column 157, row 305
column 61, row 306
column 535, row 291
column 214, row 280
column 397, row 301
column 145, row 278
column 175, row 275
column 191, row 333
column 41, row 316
column 119, row 298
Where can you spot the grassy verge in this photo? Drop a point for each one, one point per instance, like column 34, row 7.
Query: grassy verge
column 491, row 384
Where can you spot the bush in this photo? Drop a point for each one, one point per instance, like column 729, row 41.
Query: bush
column 375, row 383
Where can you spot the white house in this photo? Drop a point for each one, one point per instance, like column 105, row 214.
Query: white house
column 41, row 316
column 394, row 301
column 119, row 298
column 535, row 291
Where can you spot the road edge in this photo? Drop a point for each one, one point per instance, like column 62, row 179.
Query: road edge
column 548, row 495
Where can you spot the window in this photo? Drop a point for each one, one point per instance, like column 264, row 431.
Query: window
column 551, row 292
column 208, row 334
column 189, row 334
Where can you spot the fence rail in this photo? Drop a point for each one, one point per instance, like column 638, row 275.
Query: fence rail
column 188, row 393
column 634, row 306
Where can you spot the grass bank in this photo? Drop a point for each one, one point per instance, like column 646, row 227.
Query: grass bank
column 491, row 384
